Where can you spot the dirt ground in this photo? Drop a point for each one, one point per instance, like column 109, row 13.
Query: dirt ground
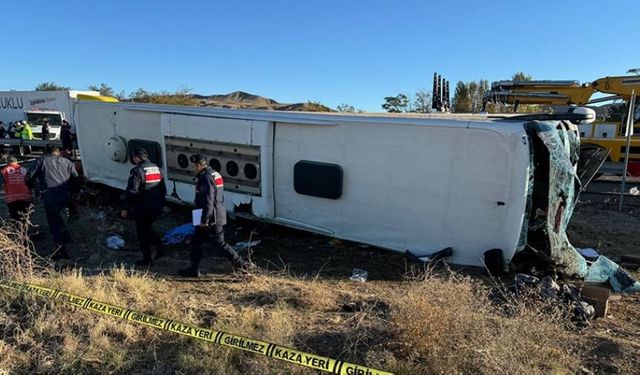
column 609, row 345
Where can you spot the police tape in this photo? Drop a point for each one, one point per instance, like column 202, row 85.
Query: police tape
column 270, row 350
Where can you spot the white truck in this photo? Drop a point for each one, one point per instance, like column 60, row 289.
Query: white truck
column 36, row 107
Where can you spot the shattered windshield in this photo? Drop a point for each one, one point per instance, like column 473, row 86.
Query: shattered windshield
column 562, row 145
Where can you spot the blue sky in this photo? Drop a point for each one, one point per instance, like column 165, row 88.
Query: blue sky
column 353, row 52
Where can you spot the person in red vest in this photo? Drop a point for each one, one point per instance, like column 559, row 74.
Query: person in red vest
column 16, row 192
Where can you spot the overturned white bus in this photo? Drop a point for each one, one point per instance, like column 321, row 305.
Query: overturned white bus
column 419, row 184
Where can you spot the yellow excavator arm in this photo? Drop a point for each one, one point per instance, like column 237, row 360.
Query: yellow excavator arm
column 621, row 86
column 605, row 135
column 539, row 92
column 560, row 92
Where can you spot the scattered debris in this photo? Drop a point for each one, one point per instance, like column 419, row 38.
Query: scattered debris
column 589, row 254
column 446, row 252
column 178, row 234
column 245, row 245
column 567, row 296
column 115, row 242
column 523, row 282
column 359, row 275
column 376, row 307
column 549, row 288
column 634, row 191
column 605, row 270
column 598, row 297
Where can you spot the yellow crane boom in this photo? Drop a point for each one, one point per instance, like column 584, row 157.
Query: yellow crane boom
column 604, row 134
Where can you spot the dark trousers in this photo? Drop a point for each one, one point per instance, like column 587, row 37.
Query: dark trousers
column 18, row 210
column 54, row 202
column 146, row 235
column 201, row 236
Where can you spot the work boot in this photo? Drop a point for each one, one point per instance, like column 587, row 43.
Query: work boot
column 190, row 271
column 144, row 262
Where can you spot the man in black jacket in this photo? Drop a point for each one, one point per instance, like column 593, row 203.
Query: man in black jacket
column 55, row 175
column 210, row 199
column 143, row 201
column 45, row 131
column 67, row 138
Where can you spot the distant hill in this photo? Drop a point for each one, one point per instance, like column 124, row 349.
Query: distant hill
column 244, row 100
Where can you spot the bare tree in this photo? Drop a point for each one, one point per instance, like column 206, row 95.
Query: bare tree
column 422, row 102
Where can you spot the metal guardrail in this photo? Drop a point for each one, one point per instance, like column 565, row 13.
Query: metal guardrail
column 21, row 143
column 32, row 142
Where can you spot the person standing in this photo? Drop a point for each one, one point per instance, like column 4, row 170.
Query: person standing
column 11, row 133
column 11, row 130
column 16, row 192
column 143, row 202
column 17, row 130
column 3, row 131
column 27, row 135
column 66, row 137
column 46, row 131
column 210, row 199
column 55, row 175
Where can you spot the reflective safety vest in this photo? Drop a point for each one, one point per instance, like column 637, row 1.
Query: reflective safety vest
column 15, row 189
column 27, row 133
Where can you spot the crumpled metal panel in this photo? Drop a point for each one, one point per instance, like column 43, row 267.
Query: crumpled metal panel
column 563, row 151
column 522, row 241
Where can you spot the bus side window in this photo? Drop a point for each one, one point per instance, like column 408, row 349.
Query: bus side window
column 318, row 179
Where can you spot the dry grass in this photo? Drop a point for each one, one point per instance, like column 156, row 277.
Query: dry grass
column 17, row 256
column 454, row 325
column 427, row 325
column 39, row 336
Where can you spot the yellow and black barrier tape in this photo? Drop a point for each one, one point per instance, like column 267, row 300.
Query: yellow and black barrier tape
column 270, row 350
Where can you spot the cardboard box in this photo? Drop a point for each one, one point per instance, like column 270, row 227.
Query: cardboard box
column 598, row 297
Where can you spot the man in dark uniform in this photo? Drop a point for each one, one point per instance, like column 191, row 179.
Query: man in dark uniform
column 144, row 199
column 210, row 199
column 67, row 138
column 55, row 174
column 45, row 131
